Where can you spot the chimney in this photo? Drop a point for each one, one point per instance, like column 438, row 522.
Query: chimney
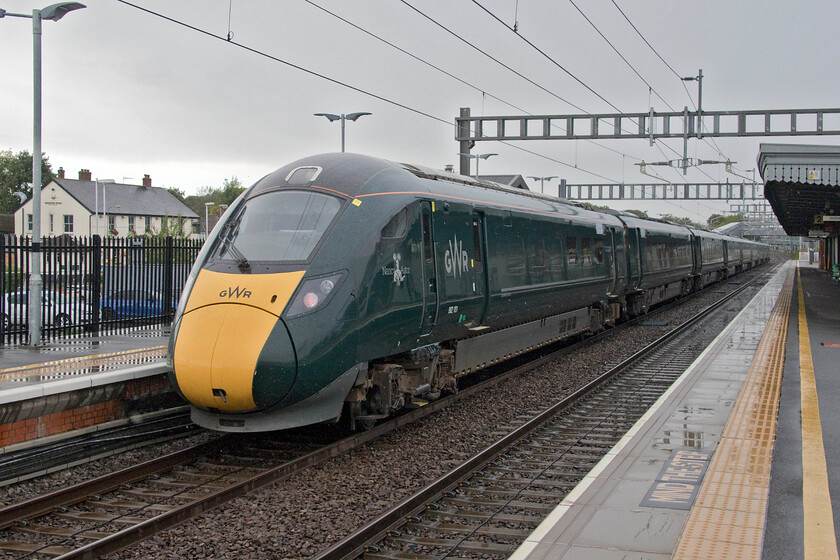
column 84, row 175
column 147, row 181
column 61, row 173
column 449, row 168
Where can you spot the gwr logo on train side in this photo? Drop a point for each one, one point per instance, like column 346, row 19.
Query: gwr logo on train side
column 455, row 259
column 236, row 292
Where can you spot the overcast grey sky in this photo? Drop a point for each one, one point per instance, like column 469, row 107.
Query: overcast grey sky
column 127, row 92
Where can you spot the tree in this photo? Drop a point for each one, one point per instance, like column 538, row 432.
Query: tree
column 717, row 220
column 177, row 193
column 231, row 188
column 682, row 221
column 170, row 227
column 16, row 176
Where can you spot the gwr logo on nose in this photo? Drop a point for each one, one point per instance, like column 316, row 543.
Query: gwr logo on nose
column 236, row 292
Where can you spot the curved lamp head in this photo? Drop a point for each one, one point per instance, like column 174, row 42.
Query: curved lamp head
column 330, row 116
column 354, row 116
column 58, row 11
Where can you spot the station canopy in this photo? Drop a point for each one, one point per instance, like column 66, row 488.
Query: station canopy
column 802, row 184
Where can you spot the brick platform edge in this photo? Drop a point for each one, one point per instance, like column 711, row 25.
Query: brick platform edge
column 55, row 414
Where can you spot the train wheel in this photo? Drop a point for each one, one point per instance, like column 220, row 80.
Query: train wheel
column 358, row 416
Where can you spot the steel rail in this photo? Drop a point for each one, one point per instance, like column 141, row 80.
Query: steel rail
column 63, row 497
column 355, row 544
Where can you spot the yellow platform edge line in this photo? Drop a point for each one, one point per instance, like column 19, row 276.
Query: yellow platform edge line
column 820, row 541
column 743, row 471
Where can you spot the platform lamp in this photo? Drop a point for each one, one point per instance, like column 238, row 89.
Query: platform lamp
column 477, row 157
column 342, row 117
column 542, row 180
column 53, row 12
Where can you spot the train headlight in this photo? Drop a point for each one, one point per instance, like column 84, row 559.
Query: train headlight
column 310, row 300
column 313, row 294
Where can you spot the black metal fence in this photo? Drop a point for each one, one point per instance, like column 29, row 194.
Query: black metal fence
column 93, row 284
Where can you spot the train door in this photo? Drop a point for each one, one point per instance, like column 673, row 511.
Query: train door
column 480, row 287
column 619, row 260
column 634, row 248
column 430, row 283
column 462, row 287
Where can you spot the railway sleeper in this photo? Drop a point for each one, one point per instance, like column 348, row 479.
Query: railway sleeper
column 498, row 504
column 482, row 547
column 60, row 532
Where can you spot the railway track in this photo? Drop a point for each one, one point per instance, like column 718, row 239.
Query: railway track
column 111, row 513
column 20, row 465
column 488, row 506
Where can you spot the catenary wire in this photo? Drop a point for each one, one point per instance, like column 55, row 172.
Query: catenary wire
column 627, row 62
column 445, row 72
column 332, row 80
column 343, row 84
column 671, row 68
column 532, row 45
column 658, row 145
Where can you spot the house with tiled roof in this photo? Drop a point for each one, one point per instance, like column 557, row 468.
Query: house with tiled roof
column 515, row 181
column 84, row 207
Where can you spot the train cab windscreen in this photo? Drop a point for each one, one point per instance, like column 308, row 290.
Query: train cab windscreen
column 279, row 226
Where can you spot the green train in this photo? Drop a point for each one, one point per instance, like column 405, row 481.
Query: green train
column 345, row 286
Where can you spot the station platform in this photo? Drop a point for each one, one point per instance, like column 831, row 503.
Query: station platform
column 721, row 466
column 81, row 383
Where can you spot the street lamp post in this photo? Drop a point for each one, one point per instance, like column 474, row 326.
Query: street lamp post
column 342, row 117
column 207, row 205
column 542, row 180
column 115, row 207
column 52, row 13
column 477, row 157
column 98, row 182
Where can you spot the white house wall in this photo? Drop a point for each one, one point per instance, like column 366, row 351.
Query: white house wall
column 57, row 202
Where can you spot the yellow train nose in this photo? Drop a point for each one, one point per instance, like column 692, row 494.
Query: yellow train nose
column 229, row 322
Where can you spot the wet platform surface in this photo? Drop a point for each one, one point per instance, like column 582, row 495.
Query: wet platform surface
column 693, row 477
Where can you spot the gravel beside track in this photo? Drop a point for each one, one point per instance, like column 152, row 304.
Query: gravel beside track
column 302, row 516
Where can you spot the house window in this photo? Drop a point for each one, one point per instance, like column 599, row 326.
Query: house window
column 29, row 222
column 68, row 223
column 131, row 224
column 148, row 223
column 111, row 222
column 52, row 220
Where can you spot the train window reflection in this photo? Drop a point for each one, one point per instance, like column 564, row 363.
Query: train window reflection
column 278, row 226
column 397, row 227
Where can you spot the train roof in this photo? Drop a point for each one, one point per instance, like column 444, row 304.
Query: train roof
column 354, row 175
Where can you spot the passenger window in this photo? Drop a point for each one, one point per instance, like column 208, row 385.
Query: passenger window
column 598, row 251
column 586, row 251
column 397, row 226
column 571, row 251
column 536, row 260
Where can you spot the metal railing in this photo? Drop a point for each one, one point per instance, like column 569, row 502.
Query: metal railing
column 93, row 284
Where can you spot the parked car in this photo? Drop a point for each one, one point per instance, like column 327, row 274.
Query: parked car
column 59, row 310
column 133, row 303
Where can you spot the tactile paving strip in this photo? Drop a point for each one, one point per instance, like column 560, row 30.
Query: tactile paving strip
column 727, row 520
